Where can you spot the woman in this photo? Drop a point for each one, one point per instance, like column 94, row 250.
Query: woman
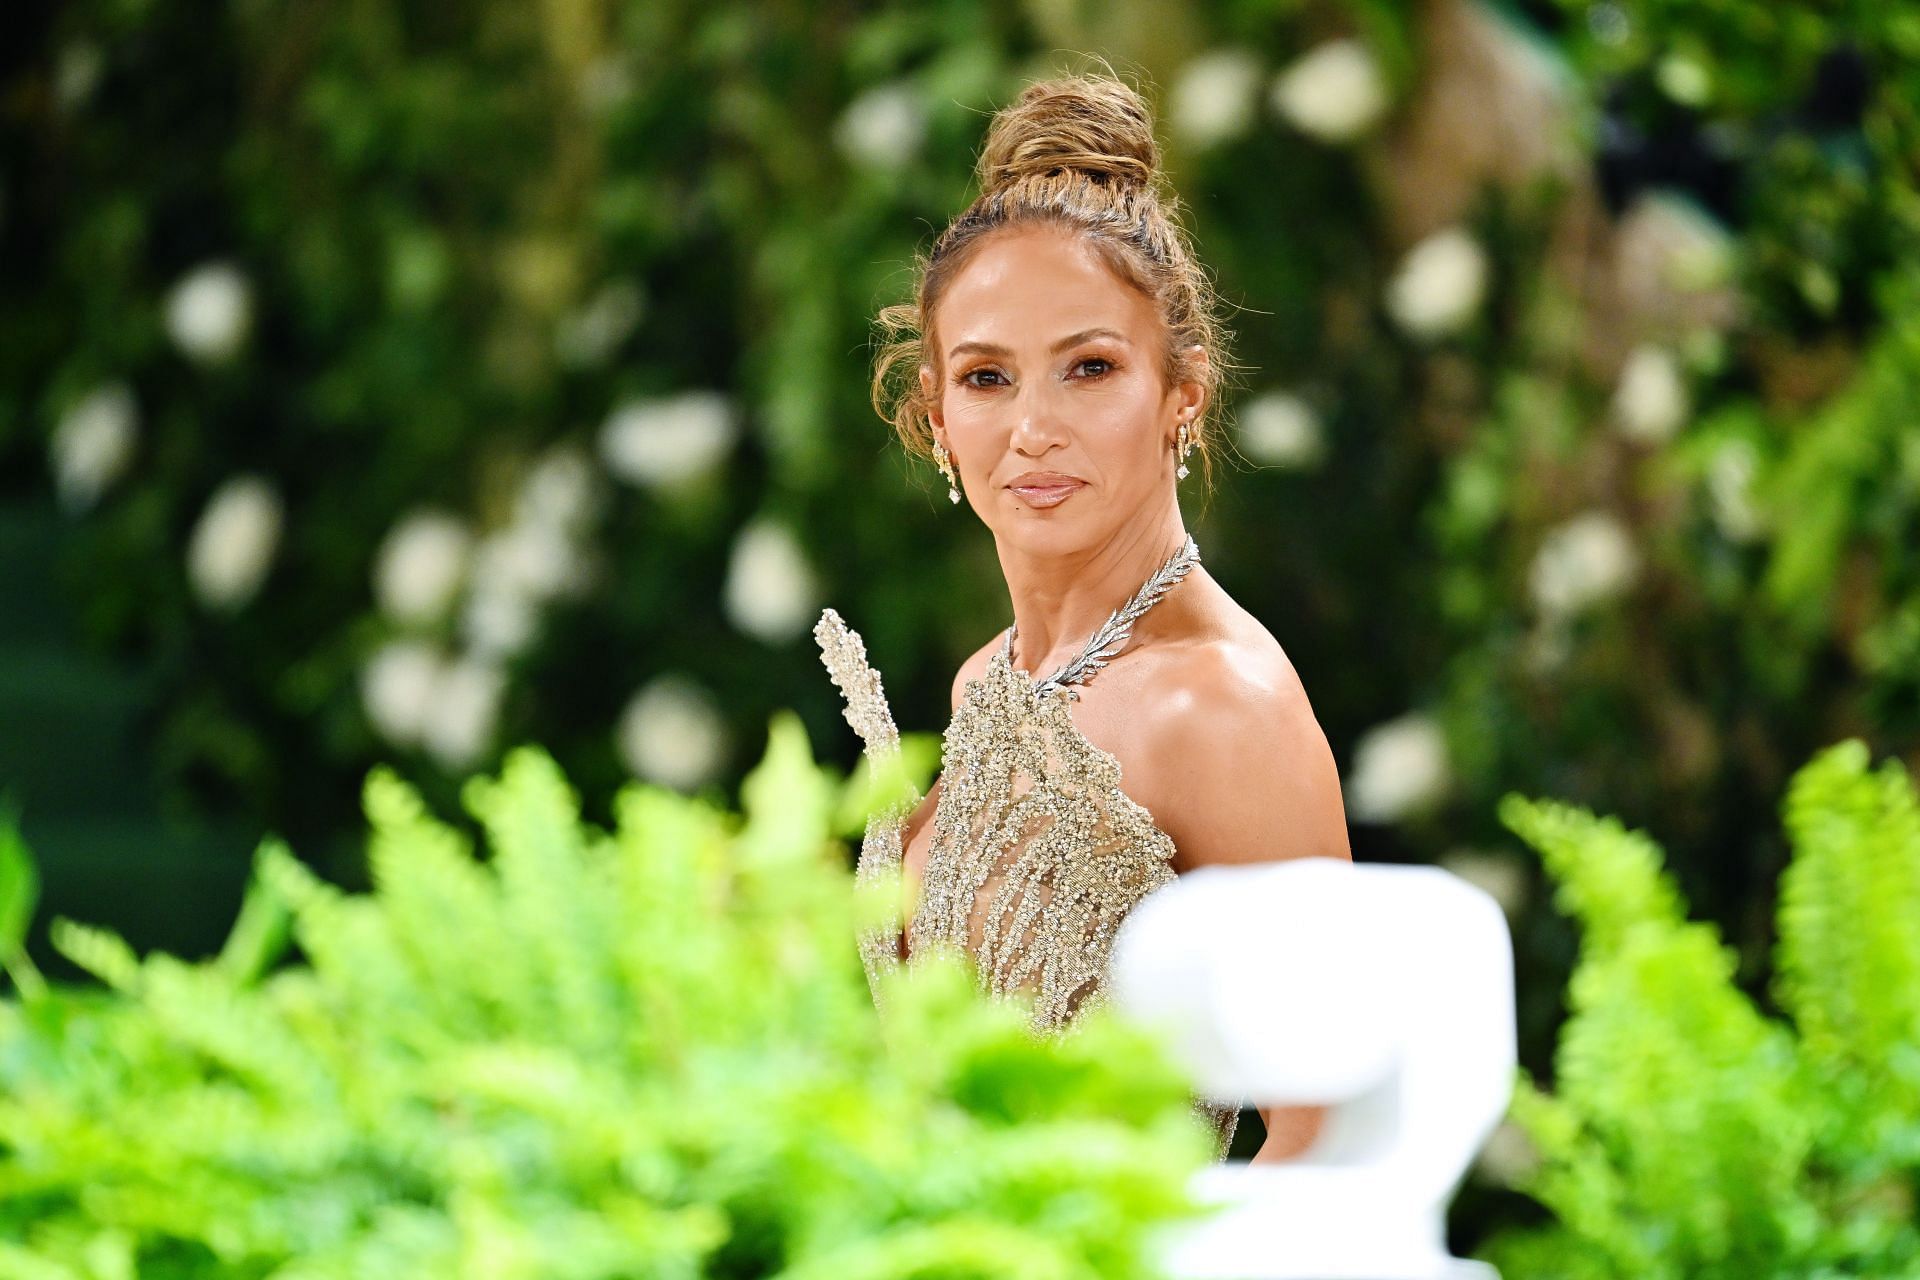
column 1059, row 364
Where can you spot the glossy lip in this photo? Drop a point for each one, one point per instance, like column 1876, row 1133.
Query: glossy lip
column 1049, row 490
column 1043, row 480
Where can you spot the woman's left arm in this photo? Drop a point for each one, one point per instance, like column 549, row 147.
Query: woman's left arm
column 1244, row 773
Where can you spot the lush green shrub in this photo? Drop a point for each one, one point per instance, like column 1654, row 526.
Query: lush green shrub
column 1691, row 1134
column 644, row 1051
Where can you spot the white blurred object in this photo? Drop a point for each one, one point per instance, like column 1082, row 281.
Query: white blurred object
column 529, row 559
column 1581, row 562
column 883, row 128
column 461, row 716
column 668, row 440
column 77, row 74
column 420, row 565
column 1215, row 97
column 1281, row 430
column 1730, row 476
column 1439, row 283
column 672, row 733
column 93, row 444
column 209, row 311
column 1650, row 401
column 499, row 621
column 591, row 334
column 396, row 689
column 561, row 491
column 233, row 543
column 1335, row 92
column 1384, row 993
column 771, row 591
column 1508, row 1156
column 1497, row 871
column 1400, row 767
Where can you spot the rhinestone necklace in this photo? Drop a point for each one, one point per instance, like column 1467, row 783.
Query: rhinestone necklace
column 1113, row 634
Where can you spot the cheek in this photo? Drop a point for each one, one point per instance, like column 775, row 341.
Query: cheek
column 1123, row 427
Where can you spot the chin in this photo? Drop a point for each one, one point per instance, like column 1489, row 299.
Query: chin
column 1043, row 531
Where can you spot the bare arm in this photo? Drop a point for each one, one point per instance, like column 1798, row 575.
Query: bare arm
column 1245, row 775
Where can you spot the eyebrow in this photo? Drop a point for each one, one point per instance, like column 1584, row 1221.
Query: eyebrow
column 1071, row 340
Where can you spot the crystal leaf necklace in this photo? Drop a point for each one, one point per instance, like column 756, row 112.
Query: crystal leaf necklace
column 1112, row 635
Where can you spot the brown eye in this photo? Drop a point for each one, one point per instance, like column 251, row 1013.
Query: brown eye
column 1106, row 366
column 968, row 377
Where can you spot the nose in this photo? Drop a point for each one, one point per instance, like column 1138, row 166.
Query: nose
column 1037, row 425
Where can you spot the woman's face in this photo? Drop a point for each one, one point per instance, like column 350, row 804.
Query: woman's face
column 1049, row 363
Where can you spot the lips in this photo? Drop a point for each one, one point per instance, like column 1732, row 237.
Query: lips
column 1042, row 493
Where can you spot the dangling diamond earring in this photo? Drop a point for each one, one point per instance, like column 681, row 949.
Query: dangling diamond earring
column 946, row 467
column 1185, row 446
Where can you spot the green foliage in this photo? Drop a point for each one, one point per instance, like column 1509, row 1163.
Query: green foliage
column 476, row 238
column 644, row 1051
column 19, row 889
column 1688, row 1133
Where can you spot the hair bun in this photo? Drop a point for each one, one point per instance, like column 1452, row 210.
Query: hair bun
column 1093, row 124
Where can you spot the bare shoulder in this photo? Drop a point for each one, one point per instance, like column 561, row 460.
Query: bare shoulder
column 974, row 667
column 1235, row 761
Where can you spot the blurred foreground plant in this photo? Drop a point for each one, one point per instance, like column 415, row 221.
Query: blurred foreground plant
column 649, row 1051
column 1688, row 1133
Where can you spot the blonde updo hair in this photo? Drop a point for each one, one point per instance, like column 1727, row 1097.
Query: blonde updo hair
column 1077, row 152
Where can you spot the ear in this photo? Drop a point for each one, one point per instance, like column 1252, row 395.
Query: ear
column 1190, row 397
column 930, row 392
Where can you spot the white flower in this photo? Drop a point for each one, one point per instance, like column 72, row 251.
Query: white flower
column 1439, row 284
column 498, row 620
column 1281, row 430
column 559, row 492
column 93, row 443
column 588, row 336
column 396, row 689
column 771, row 592
column 1730, row 473
column 1335, row 92
column 672, row 733
column 528, row 559
column 1399, row 768
column 1497, row 873
column 883, row 128
column 1683, row 79
column 419, row 567
column 209, row 310
column 668, row 440
column 1650, row 401
column 461, row 716
column 234, row 542
column 77, row 74
column 1582, row 562
column 1214, row 99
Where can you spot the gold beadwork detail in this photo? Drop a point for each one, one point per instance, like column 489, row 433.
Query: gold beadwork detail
column 1037, row 853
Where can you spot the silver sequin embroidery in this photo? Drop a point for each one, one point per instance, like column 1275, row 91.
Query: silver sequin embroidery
column 1037, row 853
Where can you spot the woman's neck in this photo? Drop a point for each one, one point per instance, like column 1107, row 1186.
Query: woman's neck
column 1059, row 601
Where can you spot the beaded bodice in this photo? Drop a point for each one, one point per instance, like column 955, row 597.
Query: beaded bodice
column 1037, row 853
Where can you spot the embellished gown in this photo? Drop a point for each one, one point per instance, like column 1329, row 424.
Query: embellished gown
column 1037, row 854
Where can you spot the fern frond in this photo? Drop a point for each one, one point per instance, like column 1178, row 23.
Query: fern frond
column 1848, row 956
column 101, row 952
column 1680, row 1120
column 1611, row 879
column 559, row 922
column 261, row 932
column 443, row 907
